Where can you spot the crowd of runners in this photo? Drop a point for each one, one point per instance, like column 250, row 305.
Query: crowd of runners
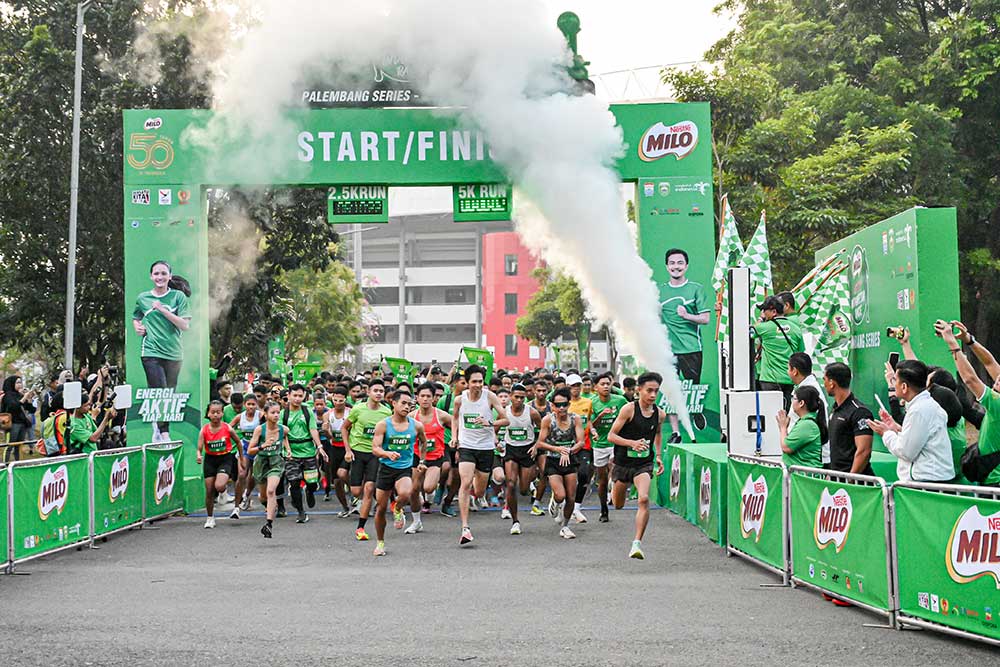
column 381, row 447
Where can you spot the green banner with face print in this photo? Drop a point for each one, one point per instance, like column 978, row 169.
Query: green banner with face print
column 708, row 465
column 51, row 504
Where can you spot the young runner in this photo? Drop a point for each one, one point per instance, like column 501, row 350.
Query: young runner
column 583, row 408
column 336, row 470
column 607, row 405
column 561, row 438
column 473, row 413
column 434, row 421
column 450, row 479
column 519, row 454
column 395, row 440
column 636, row 436
column 358, row 430
column 219, row 443
column 245, row 423
column 542, row 407
column 497, row 478
column 269, row 447
column 303, row 436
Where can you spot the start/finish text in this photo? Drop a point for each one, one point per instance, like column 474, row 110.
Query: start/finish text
column 392, row 146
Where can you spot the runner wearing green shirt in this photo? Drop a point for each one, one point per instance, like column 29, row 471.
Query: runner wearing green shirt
column 357, row 431
column 303, row 437
column 779, row 338
column 683, row 308
column 607, row 405
column 802, row 445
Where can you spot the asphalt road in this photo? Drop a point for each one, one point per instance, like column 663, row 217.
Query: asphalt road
column 182, row 595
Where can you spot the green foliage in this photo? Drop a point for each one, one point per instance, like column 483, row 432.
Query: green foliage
column 555, row 310
column 323, row 311
column 833, row 116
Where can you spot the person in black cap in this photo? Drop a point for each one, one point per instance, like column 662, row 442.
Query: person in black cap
column 778, row 339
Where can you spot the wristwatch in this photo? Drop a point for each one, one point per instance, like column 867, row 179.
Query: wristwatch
column 972, row 339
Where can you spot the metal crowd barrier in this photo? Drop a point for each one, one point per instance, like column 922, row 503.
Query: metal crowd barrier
column 738, row 542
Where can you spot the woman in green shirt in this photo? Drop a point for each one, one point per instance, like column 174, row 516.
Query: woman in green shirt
column 803, row 444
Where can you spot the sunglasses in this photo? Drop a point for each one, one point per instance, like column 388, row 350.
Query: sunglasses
column 561, row 404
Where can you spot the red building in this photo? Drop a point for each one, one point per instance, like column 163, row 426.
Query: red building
column 507, row 286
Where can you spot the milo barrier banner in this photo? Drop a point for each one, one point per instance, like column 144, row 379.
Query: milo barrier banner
column 710, row 496
column 755, row 505
column 117, row 480
column 164, row 468
column 838, row 538
column 50, row 504
column 4, row 544
column 673, row 484
column 948, row 559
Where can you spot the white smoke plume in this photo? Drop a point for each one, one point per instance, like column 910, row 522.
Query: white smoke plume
column 502, row 67
column 234, row 245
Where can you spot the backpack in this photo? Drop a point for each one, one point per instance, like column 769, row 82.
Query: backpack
column 54, row 440
column 977, row 467
column 305, row 415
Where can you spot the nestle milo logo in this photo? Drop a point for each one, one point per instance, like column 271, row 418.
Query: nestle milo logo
column 859, row 285
column 118, row 480
column 53, row 491
column 164, row 478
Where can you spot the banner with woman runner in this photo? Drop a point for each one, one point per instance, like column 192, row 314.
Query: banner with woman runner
column 166, row 308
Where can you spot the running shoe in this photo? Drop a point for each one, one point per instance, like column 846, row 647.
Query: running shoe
column 579, row 516
column 355, row 508
column 448, row 511
column 516, row 528
column 235, row 513
column 326, row 497
column 552, row 506
column 675, row 437
column 466, row 536
column 210, row 522
column 265, row 530
column 302, row 518
column 360, row 535
column 415, row 527
column 310, row 498
column 566, row 533
column 636, row 550
column 425, row 508
column 603, row 518
column 536, row 509
column 282, row 513
column 379, row 548
column 398, row 518
column 505, row 513
column 245, row 506
column 438, row 495
column 343, row 514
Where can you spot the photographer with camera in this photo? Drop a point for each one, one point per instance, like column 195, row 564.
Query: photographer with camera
column 84, row 433
column 980, row 463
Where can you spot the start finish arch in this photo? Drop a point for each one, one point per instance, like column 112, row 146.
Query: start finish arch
column 667, row 154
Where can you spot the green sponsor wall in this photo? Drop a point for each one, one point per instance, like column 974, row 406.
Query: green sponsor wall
column 4, row 480
column 51, row 505
column 949, row 567
column 117, row 491
column 903, row 271
column 167, row 150
column 163, row 476
column 756, row 498
column 853, row 567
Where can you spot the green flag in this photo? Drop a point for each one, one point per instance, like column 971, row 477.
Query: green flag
column 402, row 369
column 480, row 357
column 730, row 253
column 812, row 282
column 757, row 258
column 834, row 343
column 276, row 355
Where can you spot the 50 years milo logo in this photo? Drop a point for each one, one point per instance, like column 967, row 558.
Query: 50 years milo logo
column 859, row 285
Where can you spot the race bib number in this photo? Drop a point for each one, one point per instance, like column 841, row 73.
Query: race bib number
column 216, row 446
column 399, row 443
column 517, row 434
column 469, row 422
column 636, row 454
column 369, row 432
column 311, row 476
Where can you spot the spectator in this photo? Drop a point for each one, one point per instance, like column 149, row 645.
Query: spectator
column 800, row 370
column 921, row 444
column 45, row 403
column 802, row 442
column 20, row 408
column 849, row 432
column 989, row 433
column 779, row 338
column 84, row 433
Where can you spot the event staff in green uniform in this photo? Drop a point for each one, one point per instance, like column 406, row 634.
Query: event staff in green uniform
column 160, row 315
column 607, row 405
column 303, row 436
column 779, row 339
column 683, row 308
column 357, row 432
column 802, row 445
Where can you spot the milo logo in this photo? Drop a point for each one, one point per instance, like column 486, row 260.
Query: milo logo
column 833, row 519
column 677, row 140
column 859, row 285
column 118, row 482
column 675, row 476
column 705, row 494
column 53, row 491
column 753, row 500
column 164, row 478
column 974, row 547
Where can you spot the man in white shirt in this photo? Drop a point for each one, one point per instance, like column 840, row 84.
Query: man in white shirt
column 800, row 371
column 921, row 444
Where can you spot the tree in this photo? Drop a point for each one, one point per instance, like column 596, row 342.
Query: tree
column 323, row 311
column 833, row 116
column 555, row 310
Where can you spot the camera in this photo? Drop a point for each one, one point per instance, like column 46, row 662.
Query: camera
column 895, row 332
column 109, row 402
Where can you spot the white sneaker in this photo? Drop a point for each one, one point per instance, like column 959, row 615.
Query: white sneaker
column 552, row 507
column 505, row 513
column 516, row 528
column 210, row 522
column 236, row 512
column 579, row 516
column 566, row 533
column 558, row 515
column 636, row 550
column 416, row 527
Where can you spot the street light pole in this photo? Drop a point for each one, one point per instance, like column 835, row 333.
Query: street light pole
column 74, row 184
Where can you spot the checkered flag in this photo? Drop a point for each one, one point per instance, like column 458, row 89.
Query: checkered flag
column 730, row 253
column 815, row 298
column 757, row 258
column 834, row 343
